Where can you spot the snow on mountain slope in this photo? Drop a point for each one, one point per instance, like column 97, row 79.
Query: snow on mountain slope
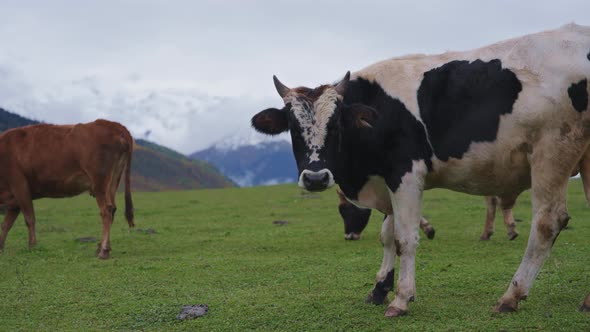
column 252, row 159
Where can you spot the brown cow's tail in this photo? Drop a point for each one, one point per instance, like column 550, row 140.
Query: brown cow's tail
column 585, row 174
column 128, row 200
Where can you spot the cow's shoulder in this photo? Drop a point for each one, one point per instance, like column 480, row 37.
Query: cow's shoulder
column 395, row 140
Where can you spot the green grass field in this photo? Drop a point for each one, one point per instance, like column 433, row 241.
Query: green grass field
column 221, row 248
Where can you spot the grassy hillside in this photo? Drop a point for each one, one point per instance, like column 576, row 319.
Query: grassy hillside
column 154, row 167
column 10, row 120
column 221, row 248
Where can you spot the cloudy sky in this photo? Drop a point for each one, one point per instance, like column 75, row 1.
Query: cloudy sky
column 189, row 73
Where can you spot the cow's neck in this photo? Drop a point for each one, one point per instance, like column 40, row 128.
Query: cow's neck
column 387, row 149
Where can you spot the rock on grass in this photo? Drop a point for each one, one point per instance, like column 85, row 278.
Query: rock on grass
column 193, row 311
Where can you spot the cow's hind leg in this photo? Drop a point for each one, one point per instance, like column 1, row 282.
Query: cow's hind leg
column 107, row 211
column 427, row 228
column 488, row 228
column 586, row 305
column 384, row 280
column 507, row 203
column 549, row 178
column 9, row 218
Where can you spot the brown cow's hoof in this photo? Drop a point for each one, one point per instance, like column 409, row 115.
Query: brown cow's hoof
column 395, row 312
column 505, row 307
column 102, row 253
column 485, row 237
column 512, row 236
column 584, row 308
column 430, row 233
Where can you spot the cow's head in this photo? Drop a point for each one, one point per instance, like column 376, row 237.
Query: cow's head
column 316, row 119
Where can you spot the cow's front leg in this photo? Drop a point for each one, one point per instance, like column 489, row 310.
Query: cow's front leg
column 406, row 202
column 384, row 282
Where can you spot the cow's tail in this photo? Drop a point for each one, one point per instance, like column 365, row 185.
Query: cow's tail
column 584, row 166
column 128, row 200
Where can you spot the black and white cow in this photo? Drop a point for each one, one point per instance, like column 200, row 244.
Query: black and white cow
column 492, row 121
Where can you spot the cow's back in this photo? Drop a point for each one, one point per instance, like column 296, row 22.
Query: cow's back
column 529, row 98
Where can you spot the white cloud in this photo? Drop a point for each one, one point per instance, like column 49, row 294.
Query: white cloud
column 192, row 72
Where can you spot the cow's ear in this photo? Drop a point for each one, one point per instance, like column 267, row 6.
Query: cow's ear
column 271, row 121
column 360, row 116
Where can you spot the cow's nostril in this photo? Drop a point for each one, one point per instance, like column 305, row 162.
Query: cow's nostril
column 316, row 181
column 307, row 181
column 325, row 178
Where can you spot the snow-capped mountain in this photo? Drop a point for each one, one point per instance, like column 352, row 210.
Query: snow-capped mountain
column 177, row 114
column 251, row 159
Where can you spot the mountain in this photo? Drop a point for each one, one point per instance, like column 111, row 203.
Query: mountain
column 153, row 167
column 250, row 162
column 10, row 120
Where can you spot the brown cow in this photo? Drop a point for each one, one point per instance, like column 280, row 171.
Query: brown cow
column 63, row 161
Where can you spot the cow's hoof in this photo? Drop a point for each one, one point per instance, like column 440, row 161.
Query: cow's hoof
column 352, row 236
column 395, row 312
column 430, row 233
column 376, row 298
column 585, row 308
column 505, row 307
column 512, row 236
column 485, row 237
column 103, row 255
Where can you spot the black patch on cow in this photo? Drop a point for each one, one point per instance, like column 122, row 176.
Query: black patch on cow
column 461, row 102
column 355, row 219
column 588, row 56
column 379, row 293
column 579, row 95
column 386, row 149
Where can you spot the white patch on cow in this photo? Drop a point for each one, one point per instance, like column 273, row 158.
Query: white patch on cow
column 313, row 119
column 387, row 239
column 407, row 212
column 374, row 195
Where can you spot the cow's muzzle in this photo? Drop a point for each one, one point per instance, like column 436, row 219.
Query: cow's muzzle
column 316, row 181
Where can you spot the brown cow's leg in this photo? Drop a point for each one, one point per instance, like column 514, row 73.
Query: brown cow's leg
column 29, row 214
column 586, row 305
column 106, row 214
column 20, row 189
column 488, row 229
column 507, row 203
column 9, row 218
